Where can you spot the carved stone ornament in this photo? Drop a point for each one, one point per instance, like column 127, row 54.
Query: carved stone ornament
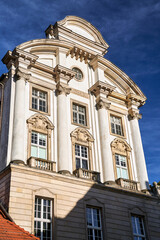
column 82, row 135
column 120, row 146
column 63, row 73
column 22, row 75
column 102, row 103
column 39, row 121
column 62, row 89
column 134, row 114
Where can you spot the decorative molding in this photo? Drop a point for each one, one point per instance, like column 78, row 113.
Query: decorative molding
column 82, row 135
column 62, row 89
column 101, row 88
column 64, row 73
column 136, row 100
column 120, row 146
column 80, row 93
column 102, row 103
column 40, row 122
column 20, row 74
column 133, row 114
column 80, row 53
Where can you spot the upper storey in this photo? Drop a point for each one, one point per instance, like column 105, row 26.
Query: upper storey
column 79, row 32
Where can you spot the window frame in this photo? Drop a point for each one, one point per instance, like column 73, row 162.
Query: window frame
column 38, row 145
column 42, row 89
column 81, row 158
column 117, row 148
column 121, row 116
column 121, row 167
column 46, row 194
column 143, row 225
column 81, row 80
column 94, row 227
column 86, row 113
column 43, row 220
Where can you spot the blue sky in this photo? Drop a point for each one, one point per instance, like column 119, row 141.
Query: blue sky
column 130, row 27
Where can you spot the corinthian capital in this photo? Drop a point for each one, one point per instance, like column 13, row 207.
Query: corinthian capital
column 20, row 74
column 62, row 89
column 102, row 103
column 133, row 114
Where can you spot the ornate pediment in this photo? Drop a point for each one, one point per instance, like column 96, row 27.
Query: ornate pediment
column 82, row 135
column 39, row 121
column 119, row 145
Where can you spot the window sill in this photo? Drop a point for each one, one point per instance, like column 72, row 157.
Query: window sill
column 41, row 112
column 119, row 136
column 79, row 125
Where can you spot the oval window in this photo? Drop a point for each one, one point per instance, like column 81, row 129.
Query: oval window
column 79, row 74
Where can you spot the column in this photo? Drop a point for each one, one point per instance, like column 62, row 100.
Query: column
column 101, row 91
column 63, row 76
column 107, row 161
column 138, row 149
column 19, row 117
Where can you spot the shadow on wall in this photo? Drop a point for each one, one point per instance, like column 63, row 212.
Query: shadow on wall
column 103, row 210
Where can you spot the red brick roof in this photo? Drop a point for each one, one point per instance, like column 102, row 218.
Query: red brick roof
column 10, row 231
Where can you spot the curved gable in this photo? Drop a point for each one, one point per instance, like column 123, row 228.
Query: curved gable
column 83, row 28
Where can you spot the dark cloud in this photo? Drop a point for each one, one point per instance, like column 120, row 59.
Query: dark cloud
column 131, row 28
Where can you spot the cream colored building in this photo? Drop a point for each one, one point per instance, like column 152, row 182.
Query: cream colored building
column 71, row 156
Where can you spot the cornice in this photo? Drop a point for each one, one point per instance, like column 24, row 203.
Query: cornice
column 80, row 53
column 101, row 87
column 115, row 72
column 64, row 73
column 135, row 100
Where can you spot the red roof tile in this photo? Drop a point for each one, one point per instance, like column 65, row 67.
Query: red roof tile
column 10, row 231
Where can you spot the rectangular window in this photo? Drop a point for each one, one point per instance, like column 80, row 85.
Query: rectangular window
column 81, row 156
column 79, row 114
column 43, row 218
column 138, row 227
column 39, row 145
column 121, row 166
column 116, row 125
column 94, row 224
column 39, row 100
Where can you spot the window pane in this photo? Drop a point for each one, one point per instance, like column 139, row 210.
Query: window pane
column 42, row 153
column 84, row 164
column 34, row 152
column 118, row 172
column 78, row 163
column 124, row 173
column 34, row 138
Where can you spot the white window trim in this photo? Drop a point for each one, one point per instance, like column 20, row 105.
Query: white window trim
column 39, row 146
column 121, row 167
column 42, row 220
column 94, row 227
column 137, row 234
column 80, row 157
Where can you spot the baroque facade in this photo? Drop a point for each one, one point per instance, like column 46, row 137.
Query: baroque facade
column 71, row 156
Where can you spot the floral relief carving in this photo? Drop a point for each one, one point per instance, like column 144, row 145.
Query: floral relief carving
column 39, row 121
column 82, row 135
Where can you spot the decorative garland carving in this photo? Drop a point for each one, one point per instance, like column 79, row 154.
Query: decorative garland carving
column 39, row 121
column 82, row 135
column 119, row 145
